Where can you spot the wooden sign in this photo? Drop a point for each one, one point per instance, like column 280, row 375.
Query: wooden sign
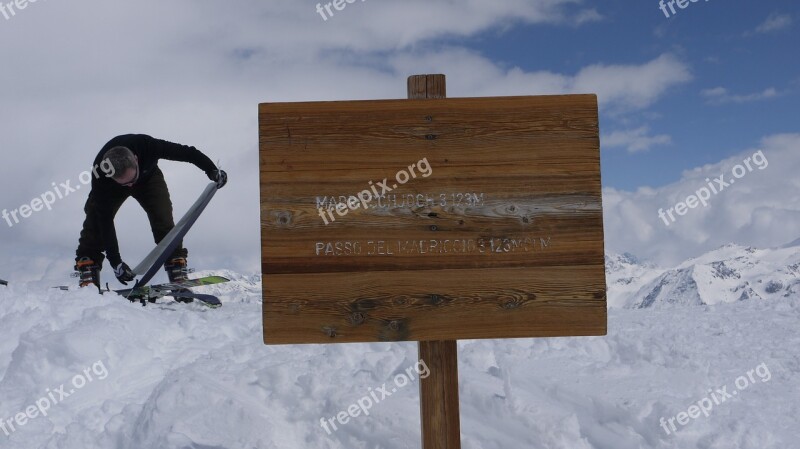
column 441, row 219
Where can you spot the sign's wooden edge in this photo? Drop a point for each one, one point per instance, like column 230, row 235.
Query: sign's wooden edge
column 399, row 101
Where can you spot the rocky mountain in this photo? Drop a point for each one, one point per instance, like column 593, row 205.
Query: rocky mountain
column 727, row 274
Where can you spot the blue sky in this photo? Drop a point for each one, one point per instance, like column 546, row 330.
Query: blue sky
column 681, row 98
column 719, row 43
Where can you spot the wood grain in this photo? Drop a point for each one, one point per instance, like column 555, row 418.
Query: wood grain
column 440, row 418
column 535, row 163
column 439, row 403
column 434, row 305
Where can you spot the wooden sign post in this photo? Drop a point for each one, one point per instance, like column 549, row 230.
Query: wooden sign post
column 432, row 220
column 438, row 393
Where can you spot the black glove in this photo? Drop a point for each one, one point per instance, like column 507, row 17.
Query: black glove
column 123, row 273
column 219, row 176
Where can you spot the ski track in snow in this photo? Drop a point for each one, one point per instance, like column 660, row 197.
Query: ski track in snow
column 183, row 376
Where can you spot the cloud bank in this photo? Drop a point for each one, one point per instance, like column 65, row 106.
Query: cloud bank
column 761, row 209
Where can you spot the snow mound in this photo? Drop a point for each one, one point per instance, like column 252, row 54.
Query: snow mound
column 184, row 376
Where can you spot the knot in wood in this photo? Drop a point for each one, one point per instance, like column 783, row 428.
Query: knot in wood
column 600, row 295
column 284, row 218
column 357, row 318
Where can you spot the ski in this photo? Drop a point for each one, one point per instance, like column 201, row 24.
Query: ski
column 153, row 262
column 208, row 280
column 207, row 300
column 150, row 293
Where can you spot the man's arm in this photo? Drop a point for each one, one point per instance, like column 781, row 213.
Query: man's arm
column 108, row 232
column 182, row 153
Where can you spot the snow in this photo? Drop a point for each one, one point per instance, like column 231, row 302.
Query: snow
column 184, row 376
column 625, row 276
column 728, row 274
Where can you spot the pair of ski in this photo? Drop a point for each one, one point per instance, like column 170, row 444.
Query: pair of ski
column 179, row 291
column 152, row 263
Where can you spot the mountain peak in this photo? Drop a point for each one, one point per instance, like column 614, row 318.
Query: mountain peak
column 729, row 273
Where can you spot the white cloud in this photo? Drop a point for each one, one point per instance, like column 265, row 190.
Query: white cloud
column 620, row 88
column 632, row 86
column 760, row 209
column 775, row 22
column 587, row 16
column 721, row 95
column 634, row 140
column 194, row 71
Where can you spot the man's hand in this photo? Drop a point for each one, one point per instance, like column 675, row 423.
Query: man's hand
column 219, row 176
column 123, row 273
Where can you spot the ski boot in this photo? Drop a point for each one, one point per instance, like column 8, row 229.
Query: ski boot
column 88, row 272
column 178, row 272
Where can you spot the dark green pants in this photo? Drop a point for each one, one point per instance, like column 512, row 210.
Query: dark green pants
column 152, row 195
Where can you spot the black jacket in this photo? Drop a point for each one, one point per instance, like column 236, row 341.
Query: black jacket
column 149, row 151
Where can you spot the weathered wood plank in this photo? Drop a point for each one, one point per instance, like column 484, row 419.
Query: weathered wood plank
column 386, row 256
column 441, row 423
column 511, row 211
column 434, row 305
column 491, row 131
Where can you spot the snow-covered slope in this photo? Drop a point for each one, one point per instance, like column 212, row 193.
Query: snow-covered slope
column 625, row 276
column 728, row 274
column 183, row 376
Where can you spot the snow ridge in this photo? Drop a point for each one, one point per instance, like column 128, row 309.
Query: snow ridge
column 728, row 274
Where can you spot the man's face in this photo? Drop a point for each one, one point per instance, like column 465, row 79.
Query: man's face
column 130, row 176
